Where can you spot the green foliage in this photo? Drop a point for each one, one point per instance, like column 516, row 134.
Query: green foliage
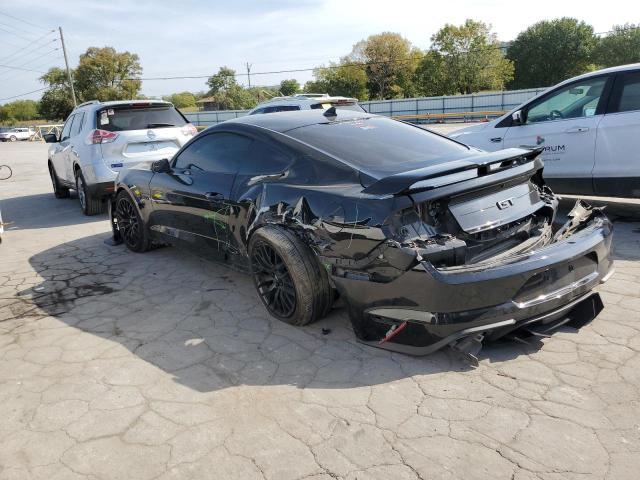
column 227, row 93
column 551, row 51
column 182, row 99
column 389, row 62
column 19, row 111
column 463, row 59
column 346, row 80
column 620, row 47
column 104, row 74
column 289, row 87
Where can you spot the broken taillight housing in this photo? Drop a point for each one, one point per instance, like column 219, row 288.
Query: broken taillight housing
column 189, row 130
column 101, row 136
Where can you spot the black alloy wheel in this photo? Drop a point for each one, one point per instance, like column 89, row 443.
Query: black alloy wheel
column 129, row 223
column 273, row 280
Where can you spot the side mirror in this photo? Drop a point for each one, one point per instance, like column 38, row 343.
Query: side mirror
column 517, row 117
column 50, row 138
column 161, row 166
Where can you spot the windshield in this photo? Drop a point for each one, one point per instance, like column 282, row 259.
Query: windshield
column 380, row 146
column 139, row 118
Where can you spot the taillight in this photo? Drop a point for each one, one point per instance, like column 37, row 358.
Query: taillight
column 101, row 136
column 189, row 129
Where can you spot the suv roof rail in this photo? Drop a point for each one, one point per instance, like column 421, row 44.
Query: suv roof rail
column 90, row 102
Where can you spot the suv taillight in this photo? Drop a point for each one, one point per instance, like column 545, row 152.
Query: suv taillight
column 101, row 136
column 189, row 129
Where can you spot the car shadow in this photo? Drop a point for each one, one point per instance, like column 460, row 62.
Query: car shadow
column 204, row 325
column 43, row 210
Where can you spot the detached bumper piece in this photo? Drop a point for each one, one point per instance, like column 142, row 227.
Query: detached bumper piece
column 530, row 294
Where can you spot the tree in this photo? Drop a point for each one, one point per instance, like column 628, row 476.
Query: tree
column 227, row 93
column 19, row 111
column 104, row 74
column 389, row 62
column 463, row 59
column 551, row 51
column 182, row 99
column 620, row 47
column 340, row 79
column 56, row 102
column 289, row 87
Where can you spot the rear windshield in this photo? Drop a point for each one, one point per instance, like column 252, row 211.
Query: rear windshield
column 139, row 118
column 380, row 146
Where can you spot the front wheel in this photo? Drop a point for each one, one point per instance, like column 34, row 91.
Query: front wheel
column 13, row 138
column 129, row 224
column 288, row 277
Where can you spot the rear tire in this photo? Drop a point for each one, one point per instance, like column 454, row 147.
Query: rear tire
column 88, row 203
column 131, row 228
column 58, row 190
column 288, row 277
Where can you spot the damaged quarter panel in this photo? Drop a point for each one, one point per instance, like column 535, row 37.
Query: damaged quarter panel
column 429, row 242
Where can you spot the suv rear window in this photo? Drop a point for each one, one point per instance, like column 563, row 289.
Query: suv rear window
column 117, row 119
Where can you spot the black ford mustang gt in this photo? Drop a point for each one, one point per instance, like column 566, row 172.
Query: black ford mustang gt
column 428, row 242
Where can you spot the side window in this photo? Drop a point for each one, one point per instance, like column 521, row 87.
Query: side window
column 286, row 108
column 67, row 128
column 579, row 99
column 260, row 110
column 216, row 152
column 629, row 93
column 77, row 124
column 265, row 160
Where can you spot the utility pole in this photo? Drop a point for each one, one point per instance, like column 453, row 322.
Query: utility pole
column 66, row 61
column 249, row 73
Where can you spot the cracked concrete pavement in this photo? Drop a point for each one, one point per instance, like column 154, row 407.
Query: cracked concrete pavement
column 116, row 365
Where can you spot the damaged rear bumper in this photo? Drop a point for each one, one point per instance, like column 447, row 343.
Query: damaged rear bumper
column 426, row 308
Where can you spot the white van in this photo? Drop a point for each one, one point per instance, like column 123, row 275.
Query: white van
column 589, row 127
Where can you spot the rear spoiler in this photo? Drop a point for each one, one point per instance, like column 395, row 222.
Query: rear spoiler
column 452, row 171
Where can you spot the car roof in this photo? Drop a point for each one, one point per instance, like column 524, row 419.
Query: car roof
column 302, row 100
column 285, row 121
column 98, row 104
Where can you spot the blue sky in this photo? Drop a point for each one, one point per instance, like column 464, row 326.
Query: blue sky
column 191, row 37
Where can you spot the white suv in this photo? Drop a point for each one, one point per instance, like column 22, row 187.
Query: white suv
column 588, row 127
column 99, row 139
column 18, row 133
column 306, row 101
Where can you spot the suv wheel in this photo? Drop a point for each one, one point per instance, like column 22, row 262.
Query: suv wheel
column 13, row 138
column 290, row 281
column 58, row 190
column 89, row 204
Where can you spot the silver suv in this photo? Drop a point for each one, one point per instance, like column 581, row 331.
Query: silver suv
column 99, row 139
column 306, row 101
column 18, row 133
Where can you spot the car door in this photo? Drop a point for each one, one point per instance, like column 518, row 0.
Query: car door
column 73, row 147
column 191, row 203
column 564, row 122
column 617, row 167
column 60, row 150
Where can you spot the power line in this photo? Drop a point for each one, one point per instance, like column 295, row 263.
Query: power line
column 24, row 21
column 50, row 63
column 14, row 34
column 20, row 67
column 23, row 94
column 29, row 45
